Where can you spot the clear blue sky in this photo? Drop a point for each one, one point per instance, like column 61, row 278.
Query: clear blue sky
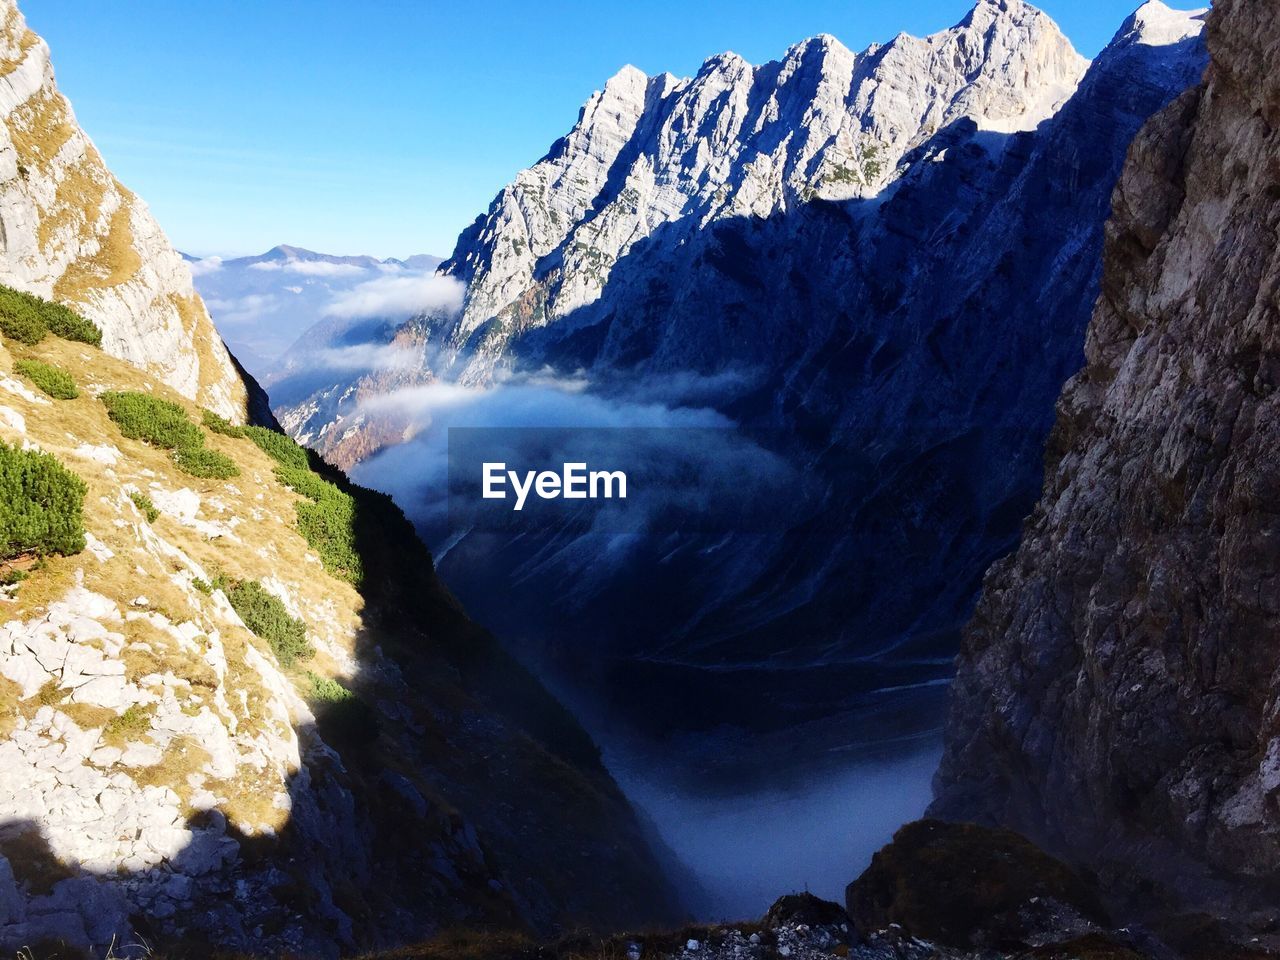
column 385, row 127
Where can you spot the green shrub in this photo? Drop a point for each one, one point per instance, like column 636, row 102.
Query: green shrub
column 267, row 617
column 144, row 503
column 343, row 718
column 327, row 690
column 221, row 425
column 56, row 383
column 327, row 522
column 279, row 447
column 141, row 416
column 41, row 505
column 204, row 586
column 69, row 325
column 28, row 319
column 205, row 463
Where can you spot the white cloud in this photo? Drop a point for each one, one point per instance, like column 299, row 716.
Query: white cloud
column 208, row 265
column 322, row 268
column 398, row 296
column 310, row 268
column 243, row 310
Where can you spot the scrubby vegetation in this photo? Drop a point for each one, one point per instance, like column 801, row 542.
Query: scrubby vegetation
column 54, row 382
column 41, row 505
column 328, row 521
column 217, row 424
column 29, row 319
column 279, row 447
column 145, row 504
column 163, row 423
column 343, row 718
column 205, row 463
column 267, row 617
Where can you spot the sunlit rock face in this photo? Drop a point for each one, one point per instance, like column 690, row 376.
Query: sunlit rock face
column 740, row 141
column 71, row 232
column 1117, row 690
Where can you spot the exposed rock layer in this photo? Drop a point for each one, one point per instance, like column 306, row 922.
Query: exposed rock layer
column 1119, row 687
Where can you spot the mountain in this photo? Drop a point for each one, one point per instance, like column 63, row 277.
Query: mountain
column 74, row 233
column 238, row 709
column 264, row 304
column 897, row 333
column 1117, row 686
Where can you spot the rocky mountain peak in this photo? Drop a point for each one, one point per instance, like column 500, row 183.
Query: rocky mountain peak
column 75, row 234
column 1156, row 24
column 660, row 156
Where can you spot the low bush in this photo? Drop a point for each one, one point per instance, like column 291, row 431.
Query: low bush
column 163, row 423
column 267, row 617
column 146, row 506
column 327, row 522
column 342, row 717
column 41, row 505
column 29, row 319
column 205, row 463
column 221, row 425
column 141, row 416
column 54, row 382
column 279, row 447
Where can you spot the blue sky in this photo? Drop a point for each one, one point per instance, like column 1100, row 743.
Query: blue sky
column 385, row 127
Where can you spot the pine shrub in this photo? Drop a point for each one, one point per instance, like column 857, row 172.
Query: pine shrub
column 205, row 463
column 280, row 447
column 221, row 425
column 141, row 416
column 266, row 616
column 41, row 505
column 53, row 381
column 29, row 319
column 146, row 506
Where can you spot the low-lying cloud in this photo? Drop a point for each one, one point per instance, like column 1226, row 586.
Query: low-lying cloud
column 394, row 295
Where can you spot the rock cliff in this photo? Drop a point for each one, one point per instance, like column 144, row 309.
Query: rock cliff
column 1117, row 696
column 72, row 232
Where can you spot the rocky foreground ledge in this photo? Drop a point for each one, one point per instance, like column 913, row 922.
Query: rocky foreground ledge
column 939, row 891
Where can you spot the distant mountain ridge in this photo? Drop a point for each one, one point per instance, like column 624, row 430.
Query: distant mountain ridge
column 264, row 303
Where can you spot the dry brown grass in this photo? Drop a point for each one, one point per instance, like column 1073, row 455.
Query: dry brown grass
column 115, row 262
column 78, row 200
column 40, row 127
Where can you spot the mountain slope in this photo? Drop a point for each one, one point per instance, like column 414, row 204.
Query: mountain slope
column 902, row 350
column 73, row 233
column 1117, row 689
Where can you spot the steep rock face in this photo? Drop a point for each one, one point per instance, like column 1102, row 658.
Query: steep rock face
column 70, row 231
column 1117, row 689
column 739, row 141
